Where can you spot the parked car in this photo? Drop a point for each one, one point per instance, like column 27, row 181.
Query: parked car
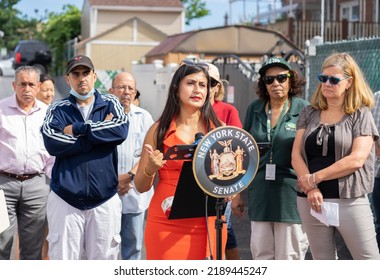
column 34, row 53
column 6, row 67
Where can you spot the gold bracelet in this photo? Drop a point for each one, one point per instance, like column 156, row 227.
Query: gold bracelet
column 147, row 174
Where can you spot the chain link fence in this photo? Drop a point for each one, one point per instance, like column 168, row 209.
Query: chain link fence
column 366, row 52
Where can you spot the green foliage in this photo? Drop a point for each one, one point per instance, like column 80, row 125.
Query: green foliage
column 10, row 24
column 60, row 28
column 195, row 9
column 53, row 28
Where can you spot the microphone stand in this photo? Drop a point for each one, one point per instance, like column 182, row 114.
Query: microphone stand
column 219, row 206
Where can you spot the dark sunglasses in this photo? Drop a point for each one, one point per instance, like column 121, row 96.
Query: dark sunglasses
column 280, row 78
column 192, row 63
column 213, row 82
column 333, row 80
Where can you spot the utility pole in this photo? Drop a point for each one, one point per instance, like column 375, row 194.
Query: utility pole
column 257, row 12
column 322, row 19
column 244, row 9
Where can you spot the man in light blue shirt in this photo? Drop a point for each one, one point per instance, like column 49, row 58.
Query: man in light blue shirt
column 134, row 204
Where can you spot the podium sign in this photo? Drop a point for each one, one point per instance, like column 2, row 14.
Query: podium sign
column 225, row 161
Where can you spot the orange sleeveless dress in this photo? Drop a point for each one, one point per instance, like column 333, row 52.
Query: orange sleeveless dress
column 178, row 239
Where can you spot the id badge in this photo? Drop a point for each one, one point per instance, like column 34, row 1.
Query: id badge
column 270, row 172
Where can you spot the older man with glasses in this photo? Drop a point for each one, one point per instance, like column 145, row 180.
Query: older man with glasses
column 134, row 203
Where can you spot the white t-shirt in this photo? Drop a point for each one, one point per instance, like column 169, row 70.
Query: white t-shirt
column 85, row 110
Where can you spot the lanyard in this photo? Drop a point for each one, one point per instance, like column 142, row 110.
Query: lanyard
column 269, row 117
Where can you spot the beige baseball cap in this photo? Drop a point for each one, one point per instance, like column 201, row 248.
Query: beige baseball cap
column 213, row 71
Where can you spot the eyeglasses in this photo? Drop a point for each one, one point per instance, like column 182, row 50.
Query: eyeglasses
column 280, row 78
column 333, row 80
column 192, row 63
column 213, row 83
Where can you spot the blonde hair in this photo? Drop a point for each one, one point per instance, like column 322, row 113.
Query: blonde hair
column 219, row 96
column 359, row 94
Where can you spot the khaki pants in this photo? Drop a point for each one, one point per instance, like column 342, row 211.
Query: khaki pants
column 278, row 241
column 356, row 227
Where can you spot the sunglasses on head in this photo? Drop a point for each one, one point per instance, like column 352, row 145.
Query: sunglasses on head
column 280, row 78
column 192, row 63
column 333, row 80
column 213, row 82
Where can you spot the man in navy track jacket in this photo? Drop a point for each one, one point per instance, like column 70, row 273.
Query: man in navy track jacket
column 82, row 131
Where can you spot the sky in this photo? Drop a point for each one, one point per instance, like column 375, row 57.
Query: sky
column 239, row 9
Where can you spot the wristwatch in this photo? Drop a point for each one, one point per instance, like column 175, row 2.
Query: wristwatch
column 131, row 175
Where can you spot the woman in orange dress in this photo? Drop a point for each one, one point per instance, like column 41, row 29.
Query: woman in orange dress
column 187, row 112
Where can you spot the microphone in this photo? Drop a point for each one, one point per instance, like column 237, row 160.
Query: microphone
column 198, row 137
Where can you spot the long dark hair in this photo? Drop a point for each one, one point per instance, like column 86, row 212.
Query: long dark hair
column 46, row 77
column 296, row 86
column 172, row 106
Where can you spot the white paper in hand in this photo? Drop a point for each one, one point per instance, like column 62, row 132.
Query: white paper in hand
column 329, row 215
column 4, row 218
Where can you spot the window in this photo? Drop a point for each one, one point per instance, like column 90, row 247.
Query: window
column 350, row 11
column 376, row 10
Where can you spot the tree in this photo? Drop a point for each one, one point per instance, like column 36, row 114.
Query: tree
column 10, row 24
column 58, row 30
column 195, row 9
column 17, row 26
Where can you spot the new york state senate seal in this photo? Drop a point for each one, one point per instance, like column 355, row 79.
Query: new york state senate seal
column 225, row 161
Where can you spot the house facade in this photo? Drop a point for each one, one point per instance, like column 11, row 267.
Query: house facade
column 332, row 20
column 335, row 10
column 117, row 33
